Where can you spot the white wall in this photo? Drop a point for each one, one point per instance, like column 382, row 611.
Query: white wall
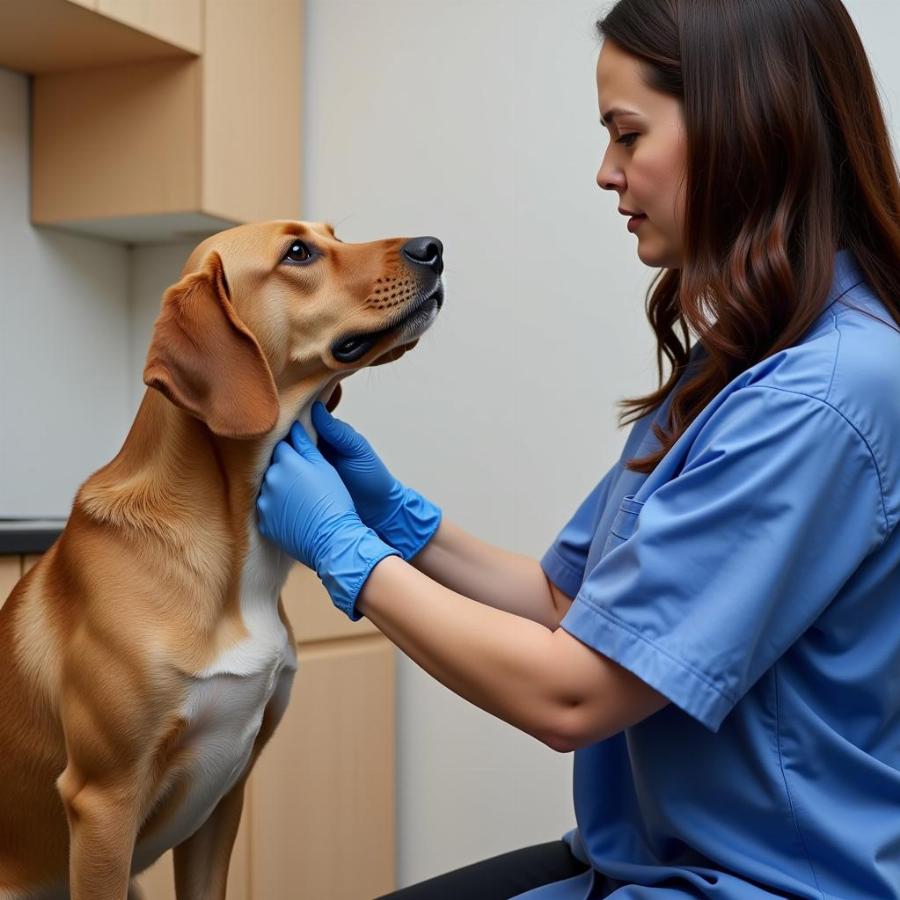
column 473, row 120
column 64, row 356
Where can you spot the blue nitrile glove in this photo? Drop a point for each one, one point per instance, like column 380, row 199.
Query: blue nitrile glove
column 305, row 509
column 400, row 516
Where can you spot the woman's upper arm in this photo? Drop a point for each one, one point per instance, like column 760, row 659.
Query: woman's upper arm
column 561, row 600
column 602, row 697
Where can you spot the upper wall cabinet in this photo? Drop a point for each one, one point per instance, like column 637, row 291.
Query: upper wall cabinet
column 190, row 126
column 59, row 35
column 178, row 22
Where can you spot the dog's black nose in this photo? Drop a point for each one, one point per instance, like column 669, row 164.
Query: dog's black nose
column 426, row 251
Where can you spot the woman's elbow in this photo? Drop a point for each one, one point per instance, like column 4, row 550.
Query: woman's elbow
column 558, row 742
column 569, row 730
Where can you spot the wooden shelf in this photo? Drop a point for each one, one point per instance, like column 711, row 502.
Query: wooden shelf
column 59, row 35
column 151, row 228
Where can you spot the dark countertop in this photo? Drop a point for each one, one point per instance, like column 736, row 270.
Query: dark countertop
column 28, row 535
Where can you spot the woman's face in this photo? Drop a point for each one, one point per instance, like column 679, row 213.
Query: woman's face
column 646, row 157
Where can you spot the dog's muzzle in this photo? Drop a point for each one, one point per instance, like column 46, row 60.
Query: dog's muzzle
column 412, row 323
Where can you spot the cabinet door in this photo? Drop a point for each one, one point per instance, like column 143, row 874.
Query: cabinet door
column 10, row 573
column 175, row 21
column 158, row 882
column 322, row 818
column 312, row 614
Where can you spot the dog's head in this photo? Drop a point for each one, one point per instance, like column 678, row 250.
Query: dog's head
column 269, row 315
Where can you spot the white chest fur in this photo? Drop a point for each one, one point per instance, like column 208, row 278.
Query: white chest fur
column 226, row 701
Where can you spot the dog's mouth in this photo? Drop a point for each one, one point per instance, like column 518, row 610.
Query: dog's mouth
column 412, row 324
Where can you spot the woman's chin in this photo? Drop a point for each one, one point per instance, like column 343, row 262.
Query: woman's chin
column 652, row 254
column 648, row 256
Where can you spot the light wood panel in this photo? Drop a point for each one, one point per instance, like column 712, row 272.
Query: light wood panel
column 252, row 77
column 158, row 882
column 323, row 791
column 10, row 573
column 116, row 143
column 177, row 22
column 312, row 614
column 57, row 35
column 151, row 150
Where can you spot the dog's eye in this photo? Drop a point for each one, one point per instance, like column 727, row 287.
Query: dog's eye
column 298, row 252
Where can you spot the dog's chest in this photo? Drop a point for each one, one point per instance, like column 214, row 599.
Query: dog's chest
column 224, row 708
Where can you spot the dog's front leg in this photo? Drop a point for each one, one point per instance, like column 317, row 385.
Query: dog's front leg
column 101, row 835
column 201, row 862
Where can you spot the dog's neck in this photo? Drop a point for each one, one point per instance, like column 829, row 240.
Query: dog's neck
column 176, row 482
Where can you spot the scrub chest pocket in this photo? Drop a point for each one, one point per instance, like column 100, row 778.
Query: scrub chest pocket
column 624, row 522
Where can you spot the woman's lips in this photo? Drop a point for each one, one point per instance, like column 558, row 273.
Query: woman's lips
column 634, row 222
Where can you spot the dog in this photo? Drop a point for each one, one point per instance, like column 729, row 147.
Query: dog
column 146, row 659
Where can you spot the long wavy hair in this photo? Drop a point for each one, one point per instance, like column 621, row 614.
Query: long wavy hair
column 788, row 160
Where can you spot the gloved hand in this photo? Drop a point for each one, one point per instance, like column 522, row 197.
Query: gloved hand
column 305, row 509
column 399, row 515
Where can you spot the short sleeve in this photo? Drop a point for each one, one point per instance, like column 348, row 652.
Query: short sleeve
column 706, row 583
column 565, row 560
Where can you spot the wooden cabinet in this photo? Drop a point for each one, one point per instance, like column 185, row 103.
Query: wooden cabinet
column 332, row 754
column 10, row 572
column 178, row 22
column 62, row 35
column 192, row 127
column 319, row 813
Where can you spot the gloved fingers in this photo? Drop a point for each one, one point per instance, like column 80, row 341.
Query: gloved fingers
column 321, row 420
column 321, row 415
column 331, row 455
column 327, row 426
column 300, row 441
column 283, row 463
column 339, row 434
column 262, row 508
column 284, row 459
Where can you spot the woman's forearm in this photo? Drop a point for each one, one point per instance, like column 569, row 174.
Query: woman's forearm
column 496, row 577
column 547, row 683
column 503, row 663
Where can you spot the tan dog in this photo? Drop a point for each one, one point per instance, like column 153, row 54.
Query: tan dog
column 146, row 659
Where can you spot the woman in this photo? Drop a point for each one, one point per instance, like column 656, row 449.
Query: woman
column 714, row 632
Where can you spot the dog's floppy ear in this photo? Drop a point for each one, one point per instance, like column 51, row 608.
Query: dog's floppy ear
column 205, row 360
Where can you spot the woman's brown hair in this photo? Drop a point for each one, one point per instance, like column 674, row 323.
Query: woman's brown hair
column 788, row 160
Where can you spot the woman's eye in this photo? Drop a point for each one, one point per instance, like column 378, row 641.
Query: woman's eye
column 299, row 252
column 627, row 139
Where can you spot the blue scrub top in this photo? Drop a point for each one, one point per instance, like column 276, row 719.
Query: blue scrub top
column 753, row 579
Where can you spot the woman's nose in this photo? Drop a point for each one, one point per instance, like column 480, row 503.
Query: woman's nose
column 610, row 177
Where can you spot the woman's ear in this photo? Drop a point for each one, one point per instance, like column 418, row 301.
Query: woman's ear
column 206, row 361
